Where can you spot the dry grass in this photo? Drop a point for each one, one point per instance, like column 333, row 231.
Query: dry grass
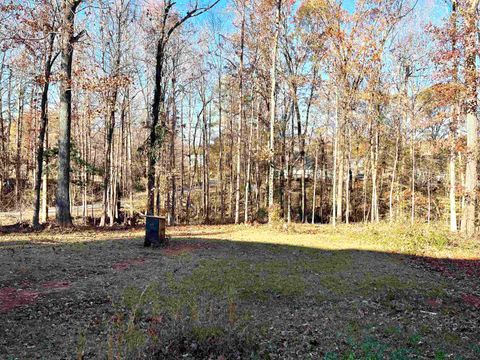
column 420, row 239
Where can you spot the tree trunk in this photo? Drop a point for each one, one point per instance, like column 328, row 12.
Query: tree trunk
column 412, row 213
column 394, row 173
column 452, row 173
column 232, row 176
column 9, row 124
column 341, row 168
column 42, row 131
column 468, row 217
column 374, row 164
column 323, row 178
column 289, row 169
column 107, row 169
column 249, row 166
column 44, row 211
column 240, row 118
column 3, row 149
column 273, row 88
column 129, row 156
column 301, row 141
column 182, row 157
column 453, row 128
column 173, row 130
column 18, row 141
column 257, row 161
column 220, row 155
column 189, row 151
column 314, row 196
column 335, row 156
column 206, row 159
column 64, row 124
column 429, row 197
column 348, row 178
column 156, row 129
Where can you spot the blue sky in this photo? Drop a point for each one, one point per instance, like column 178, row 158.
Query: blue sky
column 427, row 10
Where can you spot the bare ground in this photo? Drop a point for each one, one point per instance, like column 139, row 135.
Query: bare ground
column 231, row 292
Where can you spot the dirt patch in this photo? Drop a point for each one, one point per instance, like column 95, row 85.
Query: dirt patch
column 455, row 268
column 125, row 264
column 11, row 298
column 181, row 248
column 60, row 285
column 472, row 300
column 434, row 303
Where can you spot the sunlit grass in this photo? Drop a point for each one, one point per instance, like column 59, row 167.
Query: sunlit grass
column 420, row 239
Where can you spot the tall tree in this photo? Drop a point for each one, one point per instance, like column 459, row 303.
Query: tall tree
column 272, row 108
column 169, row 21
column 67, row 40
column 48, row 63
column 240, row 111
column 471, row 181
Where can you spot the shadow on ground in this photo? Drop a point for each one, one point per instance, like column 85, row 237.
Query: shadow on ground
column 218, row 298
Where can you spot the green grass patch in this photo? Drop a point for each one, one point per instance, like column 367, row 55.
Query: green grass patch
column 247, row 280
column 340, row 285
column 336, row 285
column 385, row 282
column 323, row 262
column 204, row 333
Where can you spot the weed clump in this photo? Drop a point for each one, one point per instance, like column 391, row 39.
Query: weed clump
column 275, row 217
column 148, row 322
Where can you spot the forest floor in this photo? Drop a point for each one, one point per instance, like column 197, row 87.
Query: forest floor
column 228, row 292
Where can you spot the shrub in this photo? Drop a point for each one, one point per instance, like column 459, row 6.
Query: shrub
column 148, row 324
column 275, row 213
column 262, row 215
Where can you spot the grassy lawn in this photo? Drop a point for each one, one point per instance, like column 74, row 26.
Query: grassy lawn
column 216, row 292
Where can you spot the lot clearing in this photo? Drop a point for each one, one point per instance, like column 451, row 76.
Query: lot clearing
column 236, row 292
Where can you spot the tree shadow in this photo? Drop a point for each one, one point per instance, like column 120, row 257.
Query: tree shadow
column 309, row 299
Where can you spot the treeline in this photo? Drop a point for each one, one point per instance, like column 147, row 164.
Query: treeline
column 309, row 111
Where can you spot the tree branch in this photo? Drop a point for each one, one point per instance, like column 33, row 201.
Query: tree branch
column 196, row 11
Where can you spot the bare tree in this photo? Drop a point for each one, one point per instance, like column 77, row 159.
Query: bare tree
column 273, row 90
column 471, row 181
column 169, row 22
column 67, row 39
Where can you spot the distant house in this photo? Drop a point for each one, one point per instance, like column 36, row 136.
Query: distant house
column 309, row 169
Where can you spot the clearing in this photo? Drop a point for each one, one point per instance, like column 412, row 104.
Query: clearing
column 228, row 292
